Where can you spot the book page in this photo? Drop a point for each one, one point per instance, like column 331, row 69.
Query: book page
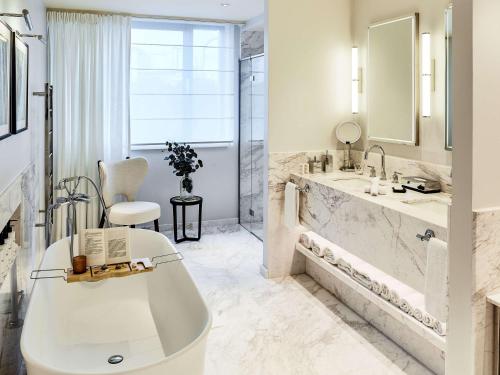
column 92, row 245
column 117, row 245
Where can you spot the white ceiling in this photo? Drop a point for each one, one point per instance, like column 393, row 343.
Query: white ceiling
column 239, row 10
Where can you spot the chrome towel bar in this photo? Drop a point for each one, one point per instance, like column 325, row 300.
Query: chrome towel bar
column 305, row 189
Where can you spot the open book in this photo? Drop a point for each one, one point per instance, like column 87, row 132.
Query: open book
column 105, row 246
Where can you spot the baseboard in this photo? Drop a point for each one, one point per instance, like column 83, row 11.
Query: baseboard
column 194, row 225
column 264, row 271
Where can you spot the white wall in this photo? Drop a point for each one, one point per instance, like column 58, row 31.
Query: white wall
column 216, row 182
column 432, row 130
column 18, row 151
column 309, row 49
column 459, row 351
column 486, row 137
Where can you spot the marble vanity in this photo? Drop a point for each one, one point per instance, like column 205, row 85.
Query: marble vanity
column 337, row 208
column 381, row 230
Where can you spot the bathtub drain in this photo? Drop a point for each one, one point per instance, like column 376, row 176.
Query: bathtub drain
column 115, row 359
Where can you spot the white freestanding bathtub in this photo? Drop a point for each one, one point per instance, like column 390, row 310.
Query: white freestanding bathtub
column 157, row 321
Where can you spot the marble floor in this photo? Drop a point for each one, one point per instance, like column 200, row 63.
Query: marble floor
column 286, row 326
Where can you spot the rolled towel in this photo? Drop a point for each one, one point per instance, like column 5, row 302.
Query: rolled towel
column 319, row 245
column 418, row 314
column 380, row 288
column 394, row 298
column 344, row 266
column 330, row 256
column 428, row 320
column 306, row 238
column 362, row 278
column 439, row 328
column 385, row 293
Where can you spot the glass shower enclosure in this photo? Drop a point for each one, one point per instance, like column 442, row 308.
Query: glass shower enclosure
column 252, row 114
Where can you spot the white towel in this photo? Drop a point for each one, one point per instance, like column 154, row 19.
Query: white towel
column 394, row 297
column 291, row 205
column 380, row 288
column 344, row 266
column 440, row 328
column 436, row 279
column 330, row 256
column 418, row 314
column 428, row 320
column 305, row 239
column 362, row 278
column 319, row 245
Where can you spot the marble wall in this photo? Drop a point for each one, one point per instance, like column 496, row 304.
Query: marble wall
column 252, row 43
column 486, row 266
column 23, row 193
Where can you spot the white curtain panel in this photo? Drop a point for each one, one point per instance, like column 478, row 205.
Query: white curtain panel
column 89, row 68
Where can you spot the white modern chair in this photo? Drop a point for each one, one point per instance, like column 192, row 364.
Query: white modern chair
column 124, row 178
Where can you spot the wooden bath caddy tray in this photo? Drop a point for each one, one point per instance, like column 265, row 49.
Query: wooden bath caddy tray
column 98, row 273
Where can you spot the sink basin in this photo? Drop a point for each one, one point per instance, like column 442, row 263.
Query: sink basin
column 434, row 206
column 351, row 183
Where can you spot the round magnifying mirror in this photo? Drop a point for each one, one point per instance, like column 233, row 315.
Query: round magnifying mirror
column 348, row 132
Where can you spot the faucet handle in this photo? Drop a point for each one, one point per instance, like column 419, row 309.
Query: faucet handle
column 373, row 172
column 395, row 177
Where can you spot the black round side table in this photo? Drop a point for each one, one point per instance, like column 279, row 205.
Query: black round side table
column 177, row 201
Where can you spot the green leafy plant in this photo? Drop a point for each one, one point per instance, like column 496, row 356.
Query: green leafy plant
column 184, row 159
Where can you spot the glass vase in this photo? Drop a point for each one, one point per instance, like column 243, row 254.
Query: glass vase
column 186, row 188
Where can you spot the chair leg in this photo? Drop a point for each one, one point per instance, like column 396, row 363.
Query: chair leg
column 157, row 225
column 103, row 218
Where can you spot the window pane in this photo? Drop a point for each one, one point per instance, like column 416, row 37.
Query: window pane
column 172, row 82
column 182, row 82
column 160, row 131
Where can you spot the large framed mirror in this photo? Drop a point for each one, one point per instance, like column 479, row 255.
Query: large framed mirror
column 448, row 26
column 392, row 76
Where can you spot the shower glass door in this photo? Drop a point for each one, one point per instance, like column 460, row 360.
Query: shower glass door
column 252, row 144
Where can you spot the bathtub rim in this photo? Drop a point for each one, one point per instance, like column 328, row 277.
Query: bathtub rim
column 202, row 336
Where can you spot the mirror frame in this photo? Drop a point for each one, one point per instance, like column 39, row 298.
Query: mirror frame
column 415, row 78
column 448, row 125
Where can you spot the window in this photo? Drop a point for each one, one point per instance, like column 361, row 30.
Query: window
column 182, row 82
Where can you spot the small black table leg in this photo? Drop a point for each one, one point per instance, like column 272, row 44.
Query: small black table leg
column 199, row 223
column 157, row 225
column 184, row 222
column 175, row 223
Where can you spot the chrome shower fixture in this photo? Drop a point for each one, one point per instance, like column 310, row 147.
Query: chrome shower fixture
column 36, row 36
column 24, row 13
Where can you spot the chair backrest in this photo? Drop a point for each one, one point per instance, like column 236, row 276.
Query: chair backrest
column 122, row 178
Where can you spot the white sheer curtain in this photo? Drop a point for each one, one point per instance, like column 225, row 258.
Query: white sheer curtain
column 89, row 67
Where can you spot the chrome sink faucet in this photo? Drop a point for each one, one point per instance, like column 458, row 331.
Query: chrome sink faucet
column 383, row 175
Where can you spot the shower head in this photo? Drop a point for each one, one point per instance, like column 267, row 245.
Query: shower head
column 24, row 13
column 27, row 19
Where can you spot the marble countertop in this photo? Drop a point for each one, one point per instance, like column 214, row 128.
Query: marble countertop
column 494, row 299
column 432, row 208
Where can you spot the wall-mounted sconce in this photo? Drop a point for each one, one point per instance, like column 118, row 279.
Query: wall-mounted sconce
column 24, row 13
column 356, row 88
column 36, row 36
column 428, row 76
